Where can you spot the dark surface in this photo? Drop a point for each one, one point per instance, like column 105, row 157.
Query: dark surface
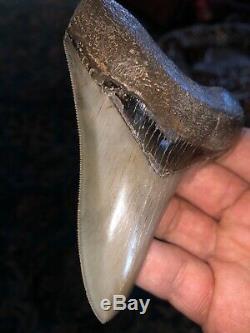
column 218, row 54
column 40, row 283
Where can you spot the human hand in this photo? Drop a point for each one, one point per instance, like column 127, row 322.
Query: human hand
column 200, row 261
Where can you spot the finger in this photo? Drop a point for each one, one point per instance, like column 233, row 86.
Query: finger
column 238, row 159
column 233, row 239
column 212, row 188
column 178, row 277
column 239, row 214
column 188, row 227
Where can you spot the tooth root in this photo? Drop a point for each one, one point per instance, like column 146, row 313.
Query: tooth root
column 121, row 197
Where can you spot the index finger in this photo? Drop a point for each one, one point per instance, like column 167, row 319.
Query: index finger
column 175, row 275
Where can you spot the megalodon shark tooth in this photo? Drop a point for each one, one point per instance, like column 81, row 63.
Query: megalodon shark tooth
column 141, row 123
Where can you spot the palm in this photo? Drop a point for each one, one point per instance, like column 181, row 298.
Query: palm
column 200, row 261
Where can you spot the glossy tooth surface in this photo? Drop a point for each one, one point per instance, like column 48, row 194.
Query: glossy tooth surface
column 141, row 121
column 121, row 197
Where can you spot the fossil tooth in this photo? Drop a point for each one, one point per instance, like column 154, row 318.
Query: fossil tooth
column 141, row 121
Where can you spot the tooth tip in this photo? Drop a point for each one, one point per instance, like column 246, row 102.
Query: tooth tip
column 100, row 285
column 102, row 315
column 105, row 316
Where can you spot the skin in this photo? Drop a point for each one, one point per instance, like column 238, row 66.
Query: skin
column 199, row 260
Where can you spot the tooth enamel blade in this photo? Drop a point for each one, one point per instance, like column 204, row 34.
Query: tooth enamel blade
column 121, row 198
